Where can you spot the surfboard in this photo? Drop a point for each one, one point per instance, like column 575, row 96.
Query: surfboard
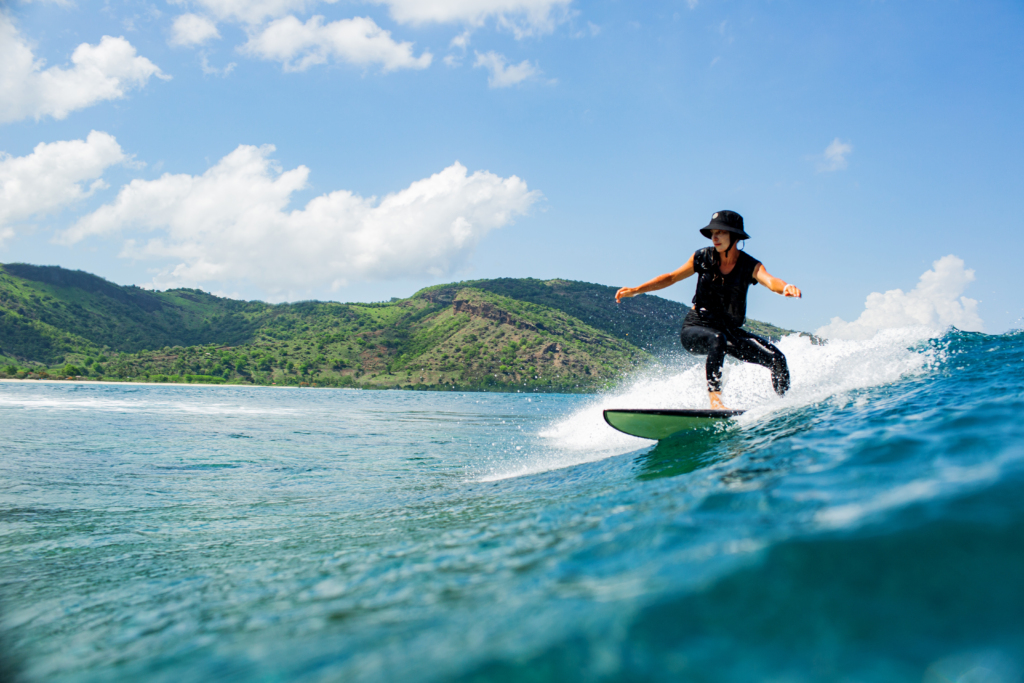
column 660, row 424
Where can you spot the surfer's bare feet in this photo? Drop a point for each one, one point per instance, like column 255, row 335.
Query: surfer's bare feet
column 716, row 400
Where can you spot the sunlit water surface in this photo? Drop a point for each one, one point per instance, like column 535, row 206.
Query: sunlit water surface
column 868, row 527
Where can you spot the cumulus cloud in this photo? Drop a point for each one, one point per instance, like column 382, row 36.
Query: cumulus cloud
column 252, row 12
column 503, row 75
column 357, row 41
column 53, row 176
column 522, row 17
column 211, row 70
column 835, row 155
column 100, row 72
column 190, row 30
column 231, row 223
column 935, row 303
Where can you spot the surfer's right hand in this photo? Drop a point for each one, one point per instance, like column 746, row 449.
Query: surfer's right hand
column 624, row 293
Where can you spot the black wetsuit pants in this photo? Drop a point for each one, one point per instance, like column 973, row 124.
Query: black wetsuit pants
column 738, row 344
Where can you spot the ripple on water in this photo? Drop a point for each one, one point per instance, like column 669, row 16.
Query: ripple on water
column 867, row 526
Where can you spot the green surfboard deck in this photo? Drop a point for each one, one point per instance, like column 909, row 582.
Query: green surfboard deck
column 661, row 424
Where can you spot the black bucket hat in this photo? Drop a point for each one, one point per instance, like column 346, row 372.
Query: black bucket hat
column 730, row 221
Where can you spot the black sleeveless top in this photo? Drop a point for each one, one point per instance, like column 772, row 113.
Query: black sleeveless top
column 721, row 300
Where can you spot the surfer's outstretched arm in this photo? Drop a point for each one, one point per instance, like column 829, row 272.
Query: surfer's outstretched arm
column 775, row 284
column 661, row 282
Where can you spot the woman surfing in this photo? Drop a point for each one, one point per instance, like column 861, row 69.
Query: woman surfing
column 712, row 326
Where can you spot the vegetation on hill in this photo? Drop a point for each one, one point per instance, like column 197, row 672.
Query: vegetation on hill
column 504, row 335
column 125, row 318
column 648, row 322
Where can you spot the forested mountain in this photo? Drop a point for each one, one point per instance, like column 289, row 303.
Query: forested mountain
column 504, row 334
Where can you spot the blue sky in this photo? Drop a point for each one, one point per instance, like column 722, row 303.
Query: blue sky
column 248, row 148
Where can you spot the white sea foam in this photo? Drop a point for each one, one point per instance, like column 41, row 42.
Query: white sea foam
column 92, row 403
column 874, row 350
column 819, row 372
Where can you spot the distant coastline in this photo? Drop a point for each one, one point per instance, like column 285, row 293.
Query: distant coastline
column 115, row 382
column 506, row 335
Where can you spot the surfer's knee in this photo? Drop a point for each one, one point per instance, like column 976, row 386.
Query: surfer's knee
column 696, row 339
column 716, row 344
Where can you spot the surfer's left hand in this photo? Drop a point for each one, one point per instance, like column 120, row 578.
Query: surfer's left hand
column 624, row 293
column 792, row 291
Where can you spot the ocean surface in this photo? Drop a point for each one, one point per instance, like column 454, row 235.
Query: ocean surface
column 867, row 527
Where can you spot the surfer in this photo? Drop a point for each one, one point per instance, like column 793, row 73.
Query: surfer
column 712, row 326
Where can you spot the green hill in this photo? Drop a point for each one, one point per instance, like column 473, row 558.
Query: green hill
column 505, row 334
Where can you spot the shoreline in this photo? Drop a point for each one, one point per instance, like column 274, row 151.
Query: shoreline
column 161, row 384
column 272, row 386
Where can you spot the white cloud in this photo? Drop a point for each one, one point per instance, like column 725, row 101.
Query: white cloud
column 460, row 41
column 935, row 303
column 357, row 41
column 100, row 72
column 252, row 12
column 232, row 223
column 190, row 30
column 211, row 70
column 522, row 17
column 53, row 176
column 503, row 75
column 835, row 156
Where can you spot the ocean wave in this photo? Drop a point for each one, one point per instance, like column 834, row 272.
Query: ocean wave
column 829, row 371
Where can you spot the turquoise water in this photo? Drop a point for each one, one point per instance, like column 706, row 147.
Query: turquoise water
column 869, row 527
